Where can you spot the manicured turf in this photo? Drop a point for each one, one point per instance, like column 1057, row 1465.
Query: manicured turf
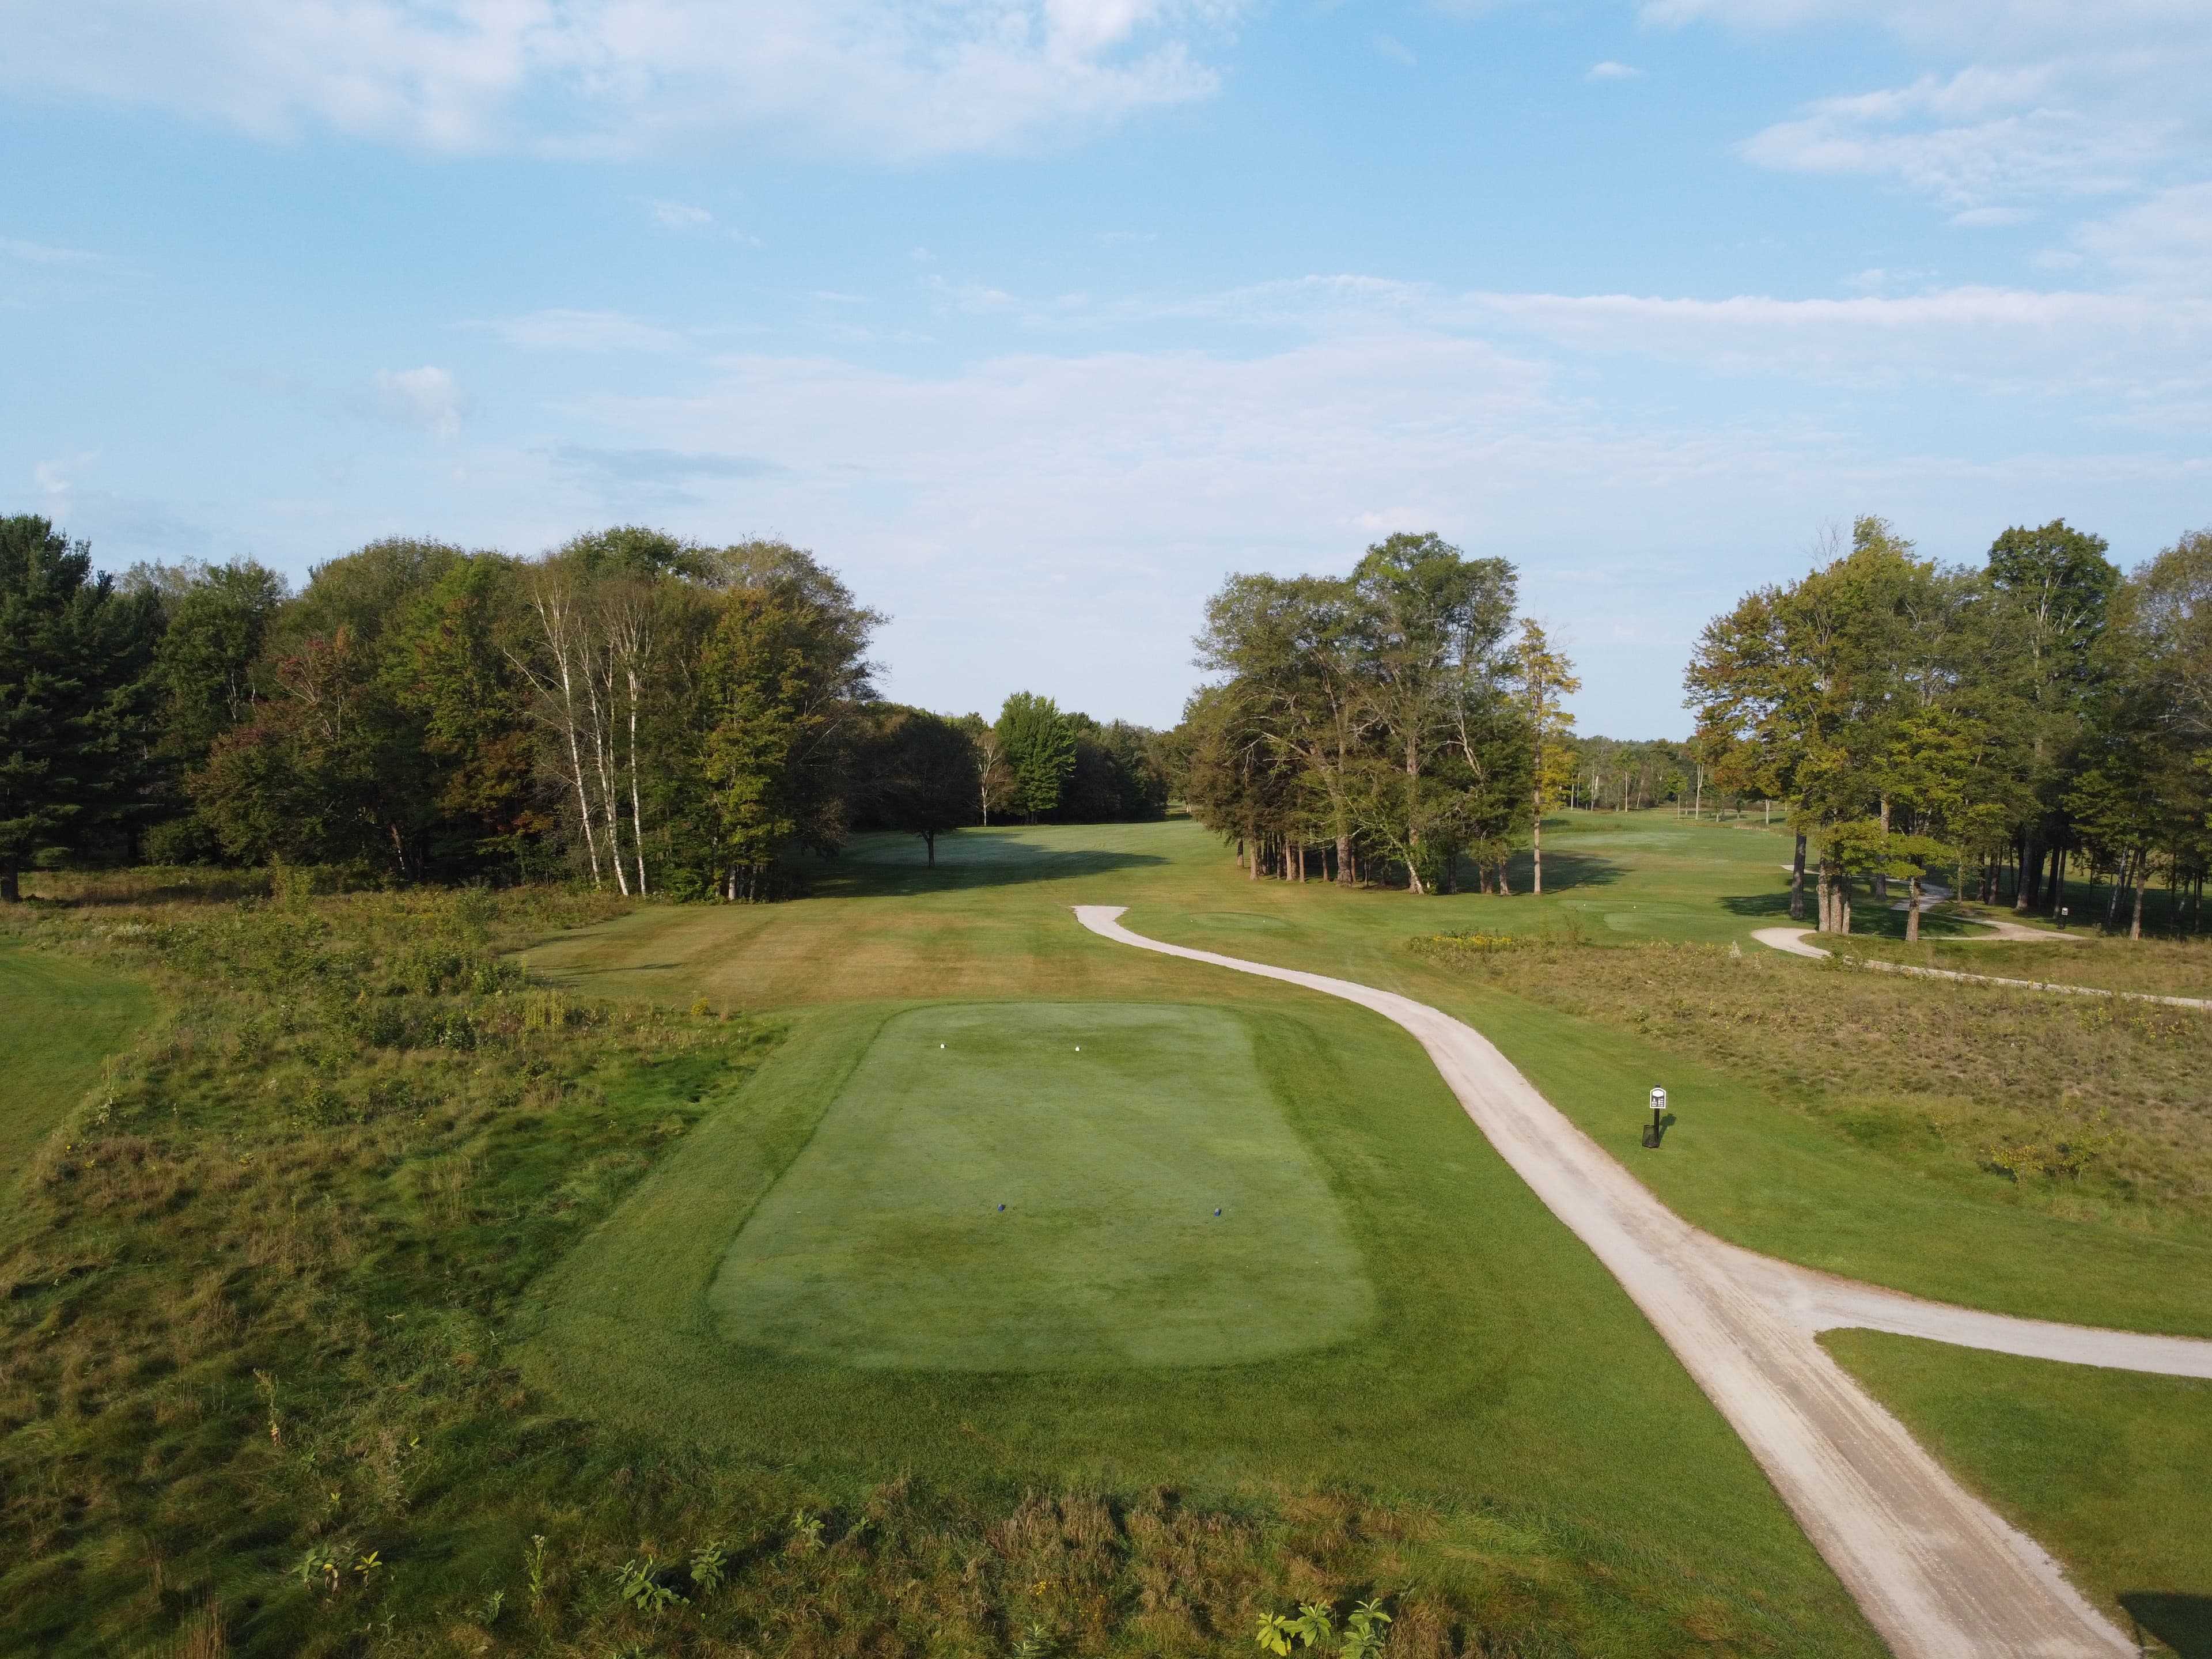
column 61, row 1020
column 1501, row 1370
column 2107, row 1469
column 1048, row 1186
column 1743, row 1160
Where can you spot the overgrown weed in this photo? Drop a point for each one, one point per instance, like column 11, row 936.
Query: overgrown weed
column 2066, row 1099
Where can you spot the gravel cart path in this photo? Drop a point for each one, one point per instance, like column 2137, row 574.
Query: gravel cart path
column 1936, row 1572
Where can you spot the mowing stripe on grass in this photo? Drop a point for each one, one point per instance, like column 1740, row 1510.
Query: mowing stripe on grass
column 1045, row 1186
column 59, row 1021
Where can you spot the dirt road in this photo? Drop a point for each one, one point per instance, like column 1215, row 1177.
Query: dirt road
column 1936, row 1572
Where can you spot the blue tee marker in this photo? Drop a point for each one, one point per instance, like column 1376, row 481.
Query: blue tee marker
column 1003, row 1206
column 1217, row 1212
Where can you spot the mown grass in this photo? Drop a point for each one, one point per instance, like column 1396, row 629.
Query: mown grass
column 259, row 1363
column 59, row 1021
column 1503, row 1378
column 316, row 1290
column 1010, row 1187
column 2106, row 1468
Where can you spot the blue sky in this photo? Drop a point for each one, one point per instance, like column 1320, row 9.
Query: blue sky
column 1035, row 318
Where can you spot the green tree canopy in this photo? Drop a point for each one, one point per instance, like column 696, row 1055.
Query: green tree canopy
column 1039, row 744
column 75, row 658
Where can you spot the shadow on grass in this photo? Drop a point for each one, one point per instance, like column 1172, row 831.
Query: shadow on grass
column 1871, row 918
column 893, row 865
column 1762, row 904
column 1563, row 869
column 2183, row 1622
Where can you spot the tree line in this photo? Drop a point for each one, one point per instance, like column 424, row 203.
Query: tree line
column 2038, row 714
column 649, row 713
column 1397, row 724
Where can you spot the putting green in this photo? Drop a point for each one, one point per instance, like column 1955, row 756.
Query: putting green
column 1110, row 1132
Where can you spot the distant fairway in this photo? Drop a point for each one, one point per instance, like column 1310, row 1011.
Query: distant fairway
column 884, row 1244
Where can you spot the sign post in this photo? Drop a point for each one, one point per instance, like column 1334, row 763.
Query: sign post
column 1658, row 1111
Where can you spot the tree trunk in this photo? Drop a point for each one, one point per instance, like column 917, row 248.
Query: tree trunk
column 1844, row 904
column 2031, row 863
column 928, row 841
column 1797, row 883
column 1344, row 860
column 1881, row 881
column 11, row 880
column 2057, row 881
column 1828, row 923
column 1912, row 911
column 1536, row 846
column 2143, row 880
column 636, row 812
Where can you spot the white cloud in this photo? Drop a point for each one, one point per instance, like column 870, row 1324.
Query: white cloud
column 2035, row 99
column 681, row 215
column 55, row 477
column 1609, row 71
column 427, row 398
column 37, row 253
column 1389, row 47
column 1979, row 136
column 2163, row 244
column 869, row 77
column 1074, row 510
column 582, row 331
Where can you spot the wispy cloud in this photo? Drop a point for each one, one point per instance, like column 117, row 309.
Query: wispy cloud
column 428, row 399
column 39, row 253
column 2034, row 101
column 659, row 472
column 1609, row 71
column 681, row 215
column 601, row 77
column 582, row 331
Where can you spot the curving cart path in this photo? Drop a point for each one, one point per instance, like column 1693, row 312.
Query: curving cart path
column 1935, row 1570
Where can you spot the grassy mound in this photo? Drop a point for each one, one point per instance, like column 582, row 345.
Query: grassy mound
column 1025, row 1186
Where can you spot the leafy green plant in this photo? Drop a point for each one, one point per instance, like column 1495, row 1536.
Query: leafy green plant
column 639, row 1583
column 1365, row 1636
column 710, row 1567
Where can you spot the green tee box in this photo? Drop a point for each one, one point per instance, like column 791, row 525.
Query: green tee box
column 1111, row 1133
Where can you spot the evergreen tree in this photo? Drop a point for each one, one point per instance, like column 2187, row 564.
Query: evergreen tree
column 76, row 687
column 1040, row 749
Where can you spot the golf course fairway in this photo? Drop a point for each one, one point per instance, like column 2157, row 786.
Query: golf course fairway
column 1008, row 1186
